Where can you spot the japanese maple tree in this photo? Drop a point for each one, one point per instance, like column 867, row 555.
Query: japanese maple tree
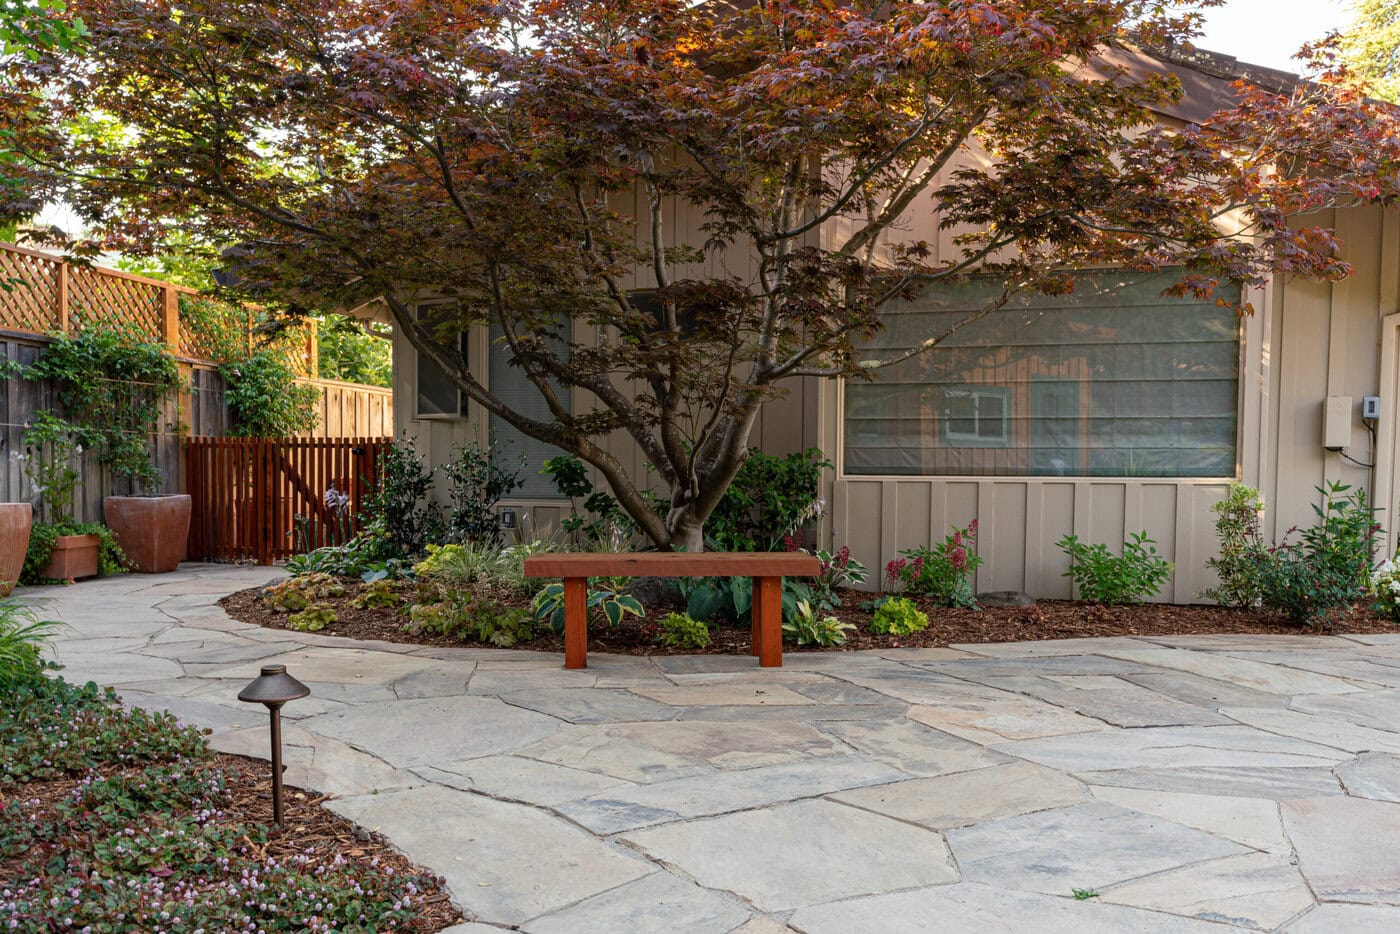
column 528, row 157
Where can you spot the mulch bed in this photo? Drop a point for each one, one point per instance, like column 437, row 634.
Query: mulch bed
column 1047, row 619
column 310, row 830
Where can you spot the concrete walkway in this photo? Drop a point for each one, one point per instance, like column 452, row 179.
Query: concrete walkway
column 1194, row 784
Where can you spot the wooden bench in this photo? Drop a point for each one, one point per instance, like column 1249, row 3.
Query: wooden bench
column 767, row 568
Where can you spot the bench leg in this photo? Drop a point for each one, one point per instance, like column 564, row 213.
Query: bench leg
column 575, row 622
column 768, row 620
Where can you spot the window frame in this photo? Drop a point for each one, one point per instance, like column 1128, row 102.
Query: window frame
column 958, row 439
column 463, row 403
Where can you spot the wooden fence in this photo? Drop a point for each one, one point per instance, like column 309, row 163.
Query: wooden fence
column 262, row 499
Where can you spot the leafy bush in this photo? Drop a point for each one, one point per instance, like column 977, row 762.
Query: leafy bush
column 601, row 516
column 1316, row 580
column 467, row 617
column 113, row 385
column 50, row 460
column 771, row 499
column 476, row 483
column 1385, row 589
column 898, row 617
column 23, row 637
column 710, row 598
column 837, row 571
column 549, row 605
column 1102, row 577
column 401, row 516
column 1242, row 548
column 297, row 593
column 805, row 628
column 680, row 630
column 377, row 595
column 943, row 574
column 314, row 618
column 265, row 400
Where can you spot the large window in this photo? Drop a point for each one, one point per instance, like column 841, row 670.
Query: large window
column 437, row 395
column 512, row 386
column 1113, row 380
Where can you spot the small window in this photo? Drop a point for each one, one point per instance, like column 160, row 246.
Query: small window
column 976, row 417
column 438, row 395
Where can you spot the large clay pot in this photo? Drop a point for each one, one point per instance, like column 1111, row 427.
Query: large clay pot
column 16, row 519
column 73, row 557
column 153, row 531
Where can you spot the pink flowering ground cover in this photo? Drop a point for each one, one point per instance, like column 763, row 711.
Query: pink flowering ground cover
column 119, row 820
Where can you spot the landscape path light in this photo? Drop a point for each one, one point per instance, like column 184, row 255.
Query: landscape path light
column 273, row 688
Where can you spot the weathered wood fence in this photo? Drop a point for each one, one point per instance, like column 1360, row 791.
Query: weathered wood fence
column 262, row 499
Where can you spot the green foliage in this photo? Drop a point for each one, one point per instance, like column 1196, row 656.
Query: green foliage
column 805, row 628
column 346, row 351
column 144, row 819
column 898, row 617
column 29, row 27
column 770, row 499
column 943, row 574
column 377, row 595
column 476, row 483
column 1102, row 577
column 1371, row 45
column 681, row 630
column 23, row 637
column 1083, row 895
column 265, row 400
column 44, row 535
column 313, row 618
column 470, row 617
column 1242, row 548
column 549, row 605
column 113, row 386
column 219, row 328
column 52, row 729
column 602, row 517
column 1316, row 580
column 51, row 457
column 297, row 593
column 710, row 598
column 838, row 571
column 401, row 516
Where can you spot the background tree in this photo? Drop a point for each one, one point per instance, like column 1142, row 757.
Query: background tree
column 1371, row 45
column 526, row 157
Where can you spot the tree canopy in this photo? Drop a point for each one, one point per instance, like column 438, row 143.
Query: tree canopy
column 1372, row 46
column 754, row 167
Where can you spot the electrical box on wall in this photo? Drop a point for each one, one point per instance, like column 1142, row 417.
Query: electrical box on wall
column 1370, row 408
column 1336, row 422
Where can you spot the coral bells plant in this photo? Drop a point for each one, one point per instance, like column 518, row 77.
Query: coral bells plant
column 942, row 573
column 838, row 570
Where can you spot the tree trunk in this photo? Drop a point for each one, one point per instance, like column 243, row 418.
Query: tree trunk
column 687, row 532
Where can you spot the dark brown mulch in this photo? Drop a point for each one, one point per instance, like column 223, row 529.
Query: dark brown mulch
column 1048, row 619
column 310, row 830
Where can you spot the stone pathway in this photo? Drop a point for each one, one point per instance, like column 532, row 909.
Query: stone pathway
column 1193, row 783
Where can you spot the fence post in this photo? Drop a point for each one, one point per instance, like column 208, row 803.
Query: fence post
column 61, row 297
column 170, row 318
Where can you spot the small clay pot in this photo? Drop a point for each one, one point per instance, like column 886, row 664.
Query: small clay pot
column 74, row 557
column 16, row 519
column 152, row 531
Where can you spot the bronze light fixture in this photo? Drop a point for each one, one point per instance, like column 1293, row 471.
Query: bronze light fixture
column 273, row 688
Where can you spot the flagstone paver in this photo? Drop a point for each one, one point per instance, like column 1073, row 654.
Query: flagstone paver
column 1199, row 783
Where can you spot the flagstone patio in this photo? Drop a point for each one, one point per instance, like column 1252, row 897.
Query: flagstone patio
column 1192, row 783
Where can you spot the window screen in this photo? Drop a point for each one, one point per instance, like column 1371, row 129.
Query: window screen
column 438, row 395
column 1113, row 380
column 513, row 387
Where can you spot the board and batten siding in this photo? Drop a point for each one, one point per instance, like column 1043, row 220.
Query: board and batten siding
column 1307, row 340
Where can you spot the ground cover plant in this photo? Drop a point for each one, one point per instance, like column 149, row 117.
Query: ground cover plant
column 115, row 819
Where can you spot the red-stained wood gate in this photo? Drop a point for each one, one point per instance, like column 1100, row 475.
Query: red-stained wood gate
column 263, row 499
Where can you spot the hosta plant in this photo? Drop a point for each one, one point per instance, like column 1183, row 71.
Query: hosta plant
column 806, row 628
column 549, row 605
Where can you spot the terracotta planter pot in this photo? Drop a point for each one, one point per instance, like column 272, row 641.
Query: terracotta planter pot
column 74, row 557
column 153, row 531
column 16, row 519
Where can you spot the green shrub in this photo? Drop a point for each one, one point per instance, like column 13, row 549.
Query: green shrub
column 680, row 630
column 805, row 628
column 401, row 517
column 943, row 574
column 23, row 637
column 769, row 501
column 710, row 598
column 476, row 483
column 43, row 537
column 1242, row 548
column 898, row 617
column 265, row 400
column 465, row 617
column 1102, row 577
column 1385, row 589
column 549, row 605
column 378, row 595
column 313, row 618
column 297, row 593
column 1316, row 580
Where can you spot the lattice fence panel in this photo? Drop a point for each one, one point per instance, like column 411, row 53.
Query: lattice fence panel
column 102, row 300
column 28, row 292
